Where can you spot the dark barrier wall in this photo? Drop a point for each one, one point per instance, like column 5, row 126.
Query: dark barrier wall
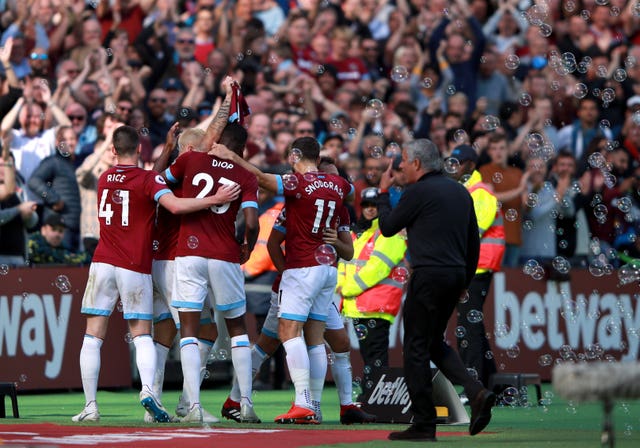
column 532, row 324
column 41, row 331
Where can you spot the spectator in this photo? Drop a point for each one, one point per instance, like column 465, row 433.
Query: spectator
column 577, row 135
column 86, row 134
column 371, row 173
column 160, row 120
column 464, row 65
column 509, row 183
column 16, row 214
column 54, row 183
column 87, row 176
column 47, row 247
column 541, row 209
column 31, row 143
column 568, row 224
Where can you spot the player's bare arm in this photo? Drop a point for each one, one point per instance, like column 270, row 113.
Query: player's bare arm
column 274, row 247
column 251, row 230
column 266, row 181
column 162, row 161
column 215, row 128
column 181, row 206
column 341, row 241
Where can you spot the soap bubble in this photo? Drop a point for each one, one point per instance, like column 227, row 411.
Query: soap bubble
column 376, row 151
column 400, row 274
column 545, row 360
column 511, row 215
column 511, row 396
column 513, row 351
column 128, row 338
column 4, row 269
column 451, row 165
column 192, row 242
column 561, row 264
column 295, row 155
column 512, row 61
column 375, row 107
column 63, row 283
column 326, row 254
column 490, row 123
column 474, row 316
column 289, row 181
column 497, row 178
column 116, row 197
column 461, row 332
column 361, row 331
column 399, row 73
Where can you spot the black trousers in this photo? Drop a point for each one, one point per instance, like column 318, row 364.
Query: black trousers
column 473, row 347
column 374, row 348
column 431, row 299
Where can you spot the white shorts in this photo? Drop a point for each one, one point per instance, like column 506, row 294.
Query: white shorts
column 305, row 293
column 270, row 326
column 334, row 319
column 163, row 277
column 196, row 276
column 107, row 284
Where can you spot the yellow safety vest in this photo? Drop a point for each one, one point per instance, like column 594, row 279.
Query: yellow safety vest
column 370, row 277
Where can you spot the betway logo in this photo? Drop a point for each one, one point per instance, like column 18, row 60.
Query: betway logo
column 535, row 319
column 30, row 333
column 391, row 393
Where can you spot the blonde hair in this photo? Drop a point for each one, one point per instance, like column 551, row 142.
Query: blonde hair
column 191, row 137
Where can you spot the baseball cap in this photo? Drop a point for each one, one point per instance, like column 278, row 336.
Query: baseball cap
column 633, row 101
column 54, row 221
column 172, row 84
column 204, row 108
column 464, row 153
column 369, row 196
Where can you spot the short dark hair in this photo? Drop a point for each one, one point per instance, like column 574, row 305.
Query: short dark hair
column 234, row 136
column 308, row 146
column 126, row 140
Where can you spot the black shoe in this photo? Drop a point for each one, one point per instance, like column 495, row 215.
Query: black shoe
column 415, row 433
column 481, row 411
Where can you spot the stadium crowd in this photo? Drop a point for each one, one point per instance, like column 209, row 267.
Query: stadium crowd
column 544, row 94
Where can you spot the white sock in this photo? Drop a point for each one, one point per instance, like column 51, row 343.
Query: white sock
column 258, row 356
column 90, row 366
column 190, row 359
column 241, row 358
column 204, row 347
column 317, row 371
column 145, row 359
column 298, row 363
column 161, row 359
column 341, row 371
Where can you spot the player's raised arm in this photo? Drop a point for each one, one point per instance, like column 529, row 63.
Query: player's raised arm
column 180, row 206
column 162, row 162
column 215, row 128
column 265, row 180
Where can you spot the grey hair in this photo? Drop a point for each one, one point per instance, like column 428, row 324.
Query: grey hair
column 426, row 152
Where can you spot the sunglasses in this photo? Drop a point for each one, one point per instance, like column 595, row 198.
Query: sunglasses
column 35, row 56
column 185, row 41
column 158, row 100
column 287, row 122
column 77, row 117
column 125, row 109
column 305, row 131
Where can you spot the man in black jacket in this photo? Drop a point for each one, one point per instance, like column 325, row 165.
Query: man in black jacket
column 444, row 246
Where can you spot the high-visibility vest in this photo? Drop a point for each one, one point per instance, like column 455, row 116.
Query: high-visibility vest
column 260, row 261
column 492, row 239
column 372, row 276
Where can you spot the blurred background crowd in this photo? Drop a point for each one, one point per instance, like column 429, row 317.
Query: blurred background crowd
column 546, row 92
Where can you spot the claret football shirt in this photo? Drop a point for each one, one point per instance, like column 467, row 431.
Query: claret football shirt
column 127, row 197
